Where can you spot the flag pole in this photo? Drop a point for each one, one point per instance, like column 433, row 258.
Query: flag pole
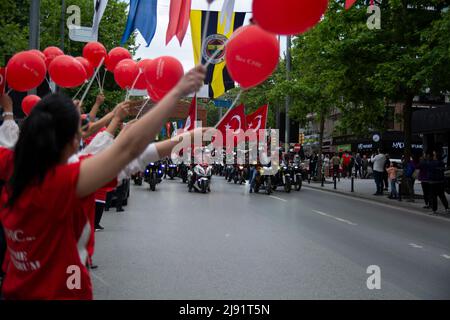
column 231, row 108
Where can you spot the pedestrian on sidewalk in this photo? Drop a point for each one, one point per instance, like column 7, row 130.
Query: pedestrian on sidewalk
column 424, row 179
column 358, row 165
column 378, row 162
column 437, row 183
column 392, row 175
column 365, row 166
column 408, row 180
column 387, row 164
column 336, row 162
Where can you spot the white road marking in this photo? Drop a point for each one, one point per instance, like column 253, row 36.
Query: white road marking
column 416, row 246
column 446, row 256
column 335, row 218
column 412, row 210
column 278, row 198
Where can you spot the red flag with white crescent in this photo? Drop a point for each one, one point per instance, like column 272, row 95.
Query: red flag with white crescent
column 192, row 117
column 258, row 120
column 234, row 121
column 2, row 80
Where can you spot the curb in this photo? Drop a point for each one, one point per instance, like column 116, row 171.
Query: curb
column 383, row 200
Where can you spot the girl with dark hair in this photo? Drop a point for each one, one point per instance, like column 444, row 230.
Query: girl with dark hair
column 41, row 204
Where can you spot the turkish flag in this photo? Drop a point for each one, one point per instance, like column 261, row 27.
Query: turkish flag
column 234, row 121
column 192, row 118
column 258, row 120
column 349, row 4
column 2, row 80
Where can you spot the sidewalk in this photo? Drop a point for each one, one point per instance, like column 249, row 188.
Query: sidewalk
column 365, row 188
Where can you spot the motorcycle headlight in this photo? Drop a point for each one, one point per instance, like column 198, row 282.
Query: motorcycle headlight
column 152, row 164
column 296, row 167
column 159, row 171
column 241, row 168
column 163, row 166
column 147, row 171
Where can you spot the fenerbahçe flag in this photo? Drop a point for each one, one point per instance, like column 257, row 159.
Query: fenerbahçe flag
column 217, row 78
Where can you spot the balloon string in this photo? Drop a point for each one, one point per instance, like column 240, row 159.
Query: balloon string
column 91, row 81
column 99, row 83
column 81, row 88
column 236, row 100
column 49, row 85
column 104, row 79
column 142, row 108
column 134, row 84
column 9, row 91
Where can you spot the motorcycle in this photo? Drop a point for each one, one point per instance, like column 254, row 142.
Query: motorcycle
column 200, row 179
column 152, row 175
column 239, row 175
column 297, row 177
column 172, row 171
column 283, row 179
column 263, row 180
column 228, row 171
column 183, row 172
column 137, row 179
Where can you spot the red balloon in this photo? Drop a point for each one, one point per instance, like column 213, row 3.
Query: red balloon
column 67, row 72
column 141, row 84
column 87, row 66
column 164, row 73
column 288, row 17
column 95, row 52
column 25, row 71
column 115, row 56
column 29, row 102
column 38, row 53
column 51, row 53
column 252, row 55
column 155, row 94
column 126, row 73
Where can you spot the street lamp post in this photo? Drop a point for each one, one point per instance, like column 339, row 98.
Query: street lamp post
column 63, row 18
column 34, row 28
column 288, row 98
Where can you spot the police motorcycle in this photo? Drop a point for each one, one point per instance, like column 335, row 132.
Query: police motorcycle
column 297, row 176
column 199, row 178
column 282, row 178
column 172, row 170
column 138, row 178
column 153, row 174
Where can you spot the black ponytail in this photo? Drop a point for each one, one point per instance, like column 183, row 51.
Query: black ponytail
column 49, row 128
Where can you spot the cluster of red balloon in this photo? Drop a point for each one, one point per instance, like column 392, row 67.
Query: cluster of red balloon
column 252, row 52
column 157, row 76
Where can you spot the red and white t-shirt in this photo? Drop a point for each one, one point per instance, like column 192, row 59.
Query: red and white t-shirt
column 47, row 232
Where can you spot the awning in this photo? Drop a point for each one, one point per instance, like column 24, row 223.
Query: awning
column 431, row 120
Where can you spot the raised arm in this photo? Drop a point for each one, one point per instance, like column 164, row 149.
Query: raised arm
column 9, row 130
column 98, row 103
column 99, row 170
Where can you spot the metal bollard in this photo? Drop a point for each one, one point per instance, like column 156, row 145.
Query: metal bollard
column 335, row 186
column 323, row 180
column 353, row 184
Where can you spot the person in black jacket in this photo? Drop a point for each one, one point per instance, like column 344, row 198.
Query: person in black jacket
column 436, row 169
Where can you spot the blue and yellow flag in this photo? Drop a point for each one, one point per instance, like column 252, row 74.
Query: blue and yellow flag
column 218, row 79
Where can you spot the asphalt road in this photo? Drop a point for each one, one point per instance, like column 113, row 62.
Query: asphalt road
column 229, row 244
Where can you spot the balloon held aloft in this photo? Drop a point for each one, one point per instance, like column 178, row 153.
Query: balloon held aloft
column 164, row 73
column 288, row 17
column 29, row 102
column 51, row 53
column 115, row 56
column 67, row 72
column 252, row 55
column 25, row 71
column 95, row 52
column 87, row 65
column 126, row 73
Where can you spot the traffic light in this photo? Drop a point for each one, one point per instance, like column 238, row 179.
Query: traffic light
column 301, row 138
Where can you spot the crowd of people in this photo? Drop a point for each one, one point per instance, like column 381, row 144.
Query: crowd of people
column 397, row 178
column 55, row 181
